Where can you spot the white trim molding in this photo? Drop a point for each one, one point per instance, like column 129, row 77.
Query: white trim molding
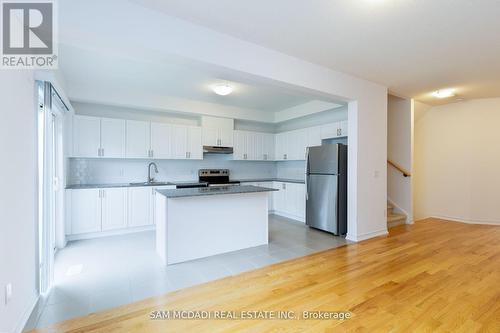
column 456, row 219
column 365, row 236
column 26, row 314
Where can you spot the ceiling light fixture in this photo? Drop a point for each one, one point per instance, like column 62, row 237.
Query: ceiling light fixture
column 444, row 93
column 222, row 89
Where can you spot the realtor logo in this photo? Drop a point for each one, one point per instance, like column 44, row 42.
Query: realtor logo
column 28, row 35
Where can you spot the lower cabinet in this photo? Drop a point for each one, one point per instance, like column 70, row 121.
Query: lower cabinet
column 98, row 210
column 139, row 206
column 85, row 210
column 114, row 209
column 290, row 200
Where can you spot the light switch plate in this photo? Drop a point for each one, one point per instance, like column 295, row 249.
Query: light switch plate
column 8, row 293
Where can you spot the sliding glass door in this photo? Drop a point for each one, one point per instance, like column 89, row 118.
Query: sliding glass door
column 50, row 165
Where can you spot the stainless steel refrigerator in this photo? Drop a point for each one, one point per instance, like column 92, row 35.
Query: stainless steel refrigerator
column 326, row 188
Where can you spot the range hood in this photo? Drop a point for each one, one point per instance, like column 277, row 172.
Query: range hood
column 217, row 150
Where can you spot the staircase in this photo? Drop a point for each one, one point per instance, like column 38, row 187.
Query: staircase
column 394, row 219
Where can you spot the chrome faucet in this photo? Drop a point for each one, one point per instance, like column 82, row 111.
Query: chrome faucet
column 151, row 179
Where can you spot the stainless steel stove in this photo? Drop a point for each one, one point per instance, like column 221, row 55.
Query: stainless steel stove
column 216, row 177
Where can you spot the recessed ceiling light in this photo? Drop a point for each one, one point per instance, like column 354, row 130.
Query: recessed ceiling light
column 222, row 89
column 444, row 93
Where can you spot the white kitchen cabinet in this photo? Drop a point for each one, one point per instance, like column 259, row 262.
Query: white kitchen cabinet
column 253, row 146
column 218, row 137
column 98, row 137
column 86, row 136
column 161, row 136
column 245, row 145
column 210, row 136
column 226, row 137
column 217, row 131
column 194, row 144
column 138, row 139
column 334, row 130
column 257, row 146
column 113, row 141
column 343, row 128
column 179, row 142
column 85, row 211
column 289, row 200
column 114, row 208
column 296, row 144
column 281, row 147
column 268, row 146
column 139, row 206
column 186, row 142
column 240, row 145
column 314, row 136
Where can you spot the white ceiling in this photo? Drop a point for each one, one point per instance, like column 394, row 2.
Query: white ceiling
column 411, row 46
column 85, row 69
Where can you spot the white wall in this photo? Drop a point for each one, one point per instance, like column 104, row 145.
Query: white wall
column 18, row 191
column 400, row 151
column 457, row 161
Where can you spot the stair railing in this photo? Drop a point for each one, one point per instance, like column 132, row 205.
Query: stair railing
column 399, row 168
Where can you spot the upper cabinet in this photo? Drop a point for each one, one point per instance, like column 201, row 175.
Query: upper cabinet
column 138, row 139
column 217, row 131
column 291, row 145
column 86, row 136
column 334, row 130
column 113, row 141
column 98, row 137
column 254, row 146
column 186, row 142
column 161, row 140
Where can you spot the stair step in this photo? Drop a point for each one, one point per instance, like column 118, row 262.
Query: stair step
column 395, row 219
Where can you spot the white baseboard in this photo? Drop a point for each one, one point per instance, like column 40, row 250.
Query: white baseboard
column 108, row 233
column 456, row 219
column 27, row 313
column 365, row 236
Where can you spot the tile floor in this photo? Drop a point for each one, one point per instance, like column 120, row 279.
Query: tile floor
column 94, row 275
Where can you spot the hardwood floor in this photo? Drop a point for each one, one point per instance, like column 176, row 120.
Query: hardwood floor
column 433, row 276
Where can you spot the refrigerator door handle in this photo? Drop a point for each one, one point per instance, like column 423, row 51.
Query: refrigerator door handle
column 306, row 173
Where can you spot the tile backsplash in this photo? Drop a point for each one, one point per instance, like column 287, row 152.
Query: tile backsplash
column 94, row 171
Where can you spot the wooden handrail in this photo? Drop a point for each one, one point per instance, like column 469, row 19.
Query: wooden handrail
column 399, row 168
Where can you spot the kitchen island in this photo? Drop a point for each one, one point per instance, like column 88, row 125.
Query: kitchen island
column 194, row 223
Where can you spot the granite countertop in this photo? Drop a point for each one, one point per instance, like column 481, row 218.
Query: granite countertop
column 89, row 186
column 283, row 180
column 256, row 180
column 203, row 191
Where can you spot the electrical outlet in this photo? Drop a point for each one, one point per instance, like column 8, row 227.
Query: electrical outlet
column 8, row 293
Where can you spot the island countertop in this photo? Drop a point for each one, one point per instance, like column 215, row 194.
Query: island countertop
column 195, row 192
